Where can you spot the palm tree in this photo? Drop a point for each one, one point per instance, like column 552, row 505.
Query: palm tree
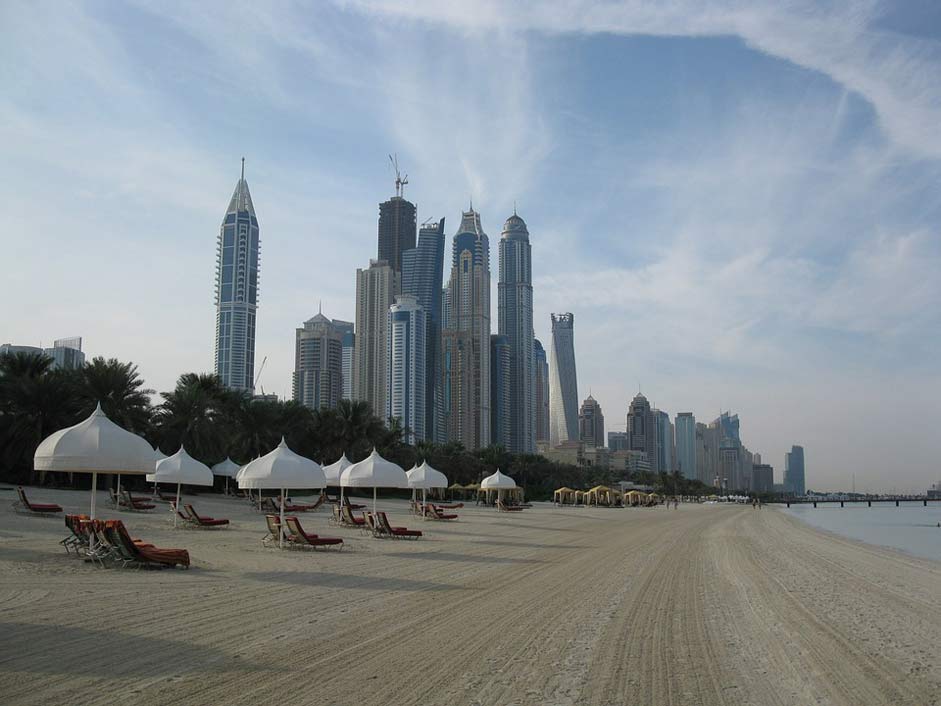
column 193, row 415
column 361, row 429
column 34, row 402
column 119, row 389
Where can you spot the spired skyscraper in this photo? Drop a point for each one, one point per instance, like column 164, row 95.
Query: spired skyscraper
column 515, row 322
column 563, row 383
column 318, row 363
column 397, row 219
column 465, row 340
column 422, row 273
column 642, row 430
column 591, row 423
column 237, row 291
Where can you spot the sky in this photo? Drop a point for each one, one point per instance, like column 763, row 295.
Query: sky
column 738, row 201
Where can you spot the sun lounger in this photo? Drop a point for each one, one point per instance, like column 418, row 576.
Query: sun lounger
column 300, row 507
column 352, row 506
column 201, row 521
column 134, row 504
column 397, row 532
column 348, row 518
column 144, row 554
column 435, row 513
column 451, row 506
column 508, row 508
column 268, row 505
column 299, row 537
column 78, row 539
column 274, row 529
column 25, row 506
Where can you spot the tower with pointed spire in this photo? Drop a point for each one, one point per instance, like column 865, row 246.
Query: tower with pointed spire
column 465, row 339
column 237, row 267
column 318, row 363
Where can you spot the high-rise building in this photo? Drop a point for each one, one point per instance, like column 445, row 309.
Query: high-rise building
column 374, row 296
column 397, row 218
column 237, row 267
column 591, row 423
column 318, row 363
column 563, row 383
column 762, row 478
column 515, row 320
column 541, row 391
column 618, row 441
column 642, row 430
column 465, row 359
column 422, row 272
column 407, row 366
column 501, row 398
column 794, row 479
column 348, row 335
column 685, row 431
column 665, row 443
column 66, row 353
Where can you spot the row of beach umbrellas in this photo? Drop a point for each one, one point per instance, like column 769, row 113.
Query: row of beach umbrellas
column 99, row 446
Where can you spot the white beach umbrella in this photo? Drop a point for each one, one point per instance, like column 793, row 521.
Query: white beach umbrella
column 374, row 472
column 181, row 468
column 95, row 445
column 281, row 469
column 227, row 469
column 334, row 470
column 424, row 477
column 499, row 482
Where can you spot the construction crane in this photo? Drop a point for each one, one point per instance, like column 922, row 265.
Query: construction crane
column 400, row 181
column 258, row 376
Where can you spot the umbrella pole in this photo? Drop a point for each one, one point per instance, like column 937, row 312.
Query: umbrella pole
column 177, row 513
column 94, row 487
column 118, row 495
column 374, row 501
column 424, row 504
column 281, row 532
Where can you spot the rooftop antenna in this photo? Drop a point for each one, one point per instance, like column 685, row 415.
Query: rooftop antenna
column 243, row 168
column 514, row 207
column 400, row 181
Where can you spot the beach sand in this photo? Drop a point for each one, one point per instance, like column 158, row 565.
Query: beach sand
column 706, row 604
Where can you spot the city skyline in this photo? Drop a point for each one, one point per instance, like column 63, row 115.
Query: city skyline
column 753, row 293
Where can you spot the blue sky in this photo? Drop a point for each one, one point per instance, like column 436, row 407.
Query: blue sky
column 739, row 201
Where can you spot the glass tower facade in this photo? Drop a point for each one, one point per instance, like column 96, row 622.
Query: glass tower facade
column 563, row 383
column 237, row 266
column 397, row 218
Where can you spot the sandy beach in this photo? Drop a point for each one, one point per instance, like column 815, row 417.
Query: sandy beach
column 705, row 604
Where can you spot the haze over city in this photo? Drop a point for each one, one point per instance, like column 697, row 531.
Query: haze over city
column 740, row 219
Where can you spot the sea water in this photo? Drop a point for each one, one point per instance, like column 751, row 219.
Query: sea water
column 911, row 527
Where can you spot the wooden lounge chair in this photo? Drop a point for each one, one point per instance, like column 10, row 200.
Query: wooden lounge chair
column 352, row 506
column 134, row 504
column 78, row 539
column 269, row 505
column 300, row 507
column 397, row 532
column 201, row 521
column 451, row 506
column 348, row 518
column 274, row 529
column 372, row 525
column 145, row 554
column 23, row 505
column 435, row 513
column 299, row 537
column 508, row 508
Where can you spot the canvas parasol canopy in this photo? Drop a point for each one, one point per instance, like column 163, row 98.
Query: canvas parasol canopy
column 282, row 469
column 96, row 445
column 226, row 469
column 424, row 478
column 334, row 470
column 374, row 472
column 182, row 469
column 498, row 482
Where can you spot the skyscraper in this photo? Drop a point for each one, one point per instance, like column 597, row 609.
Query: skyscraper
column 406, row 390
column 346, row 330
column 500, row 390
column 541, row 392
column 664, row 441
column 374, row 295
column 563, row 383
column 397, row 218
column 318, row 363
column 237, row 291
column 642, row 430
column 686, row 445
column 515, row 321
column 466, row 337
column 619, row 441
column 794, row 480
column 422, row 273
column 591, row 423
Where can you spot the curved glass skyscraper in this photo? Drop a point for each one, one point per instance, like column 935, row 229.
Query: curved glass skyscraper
column 237, row 291
column 563, row 383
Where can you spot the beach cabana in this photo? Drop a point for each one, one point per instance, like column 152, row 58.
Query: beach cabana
column 279, row 470
column 425, row 478
column 374, row 472
column 499, row 483
column 182, row 469
column 634, row 498
column 226, row 469
column 97, row 446
column 564, row 496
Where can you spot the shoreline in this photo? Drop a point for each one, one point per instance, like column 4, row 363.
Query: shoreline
column 705, row 604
